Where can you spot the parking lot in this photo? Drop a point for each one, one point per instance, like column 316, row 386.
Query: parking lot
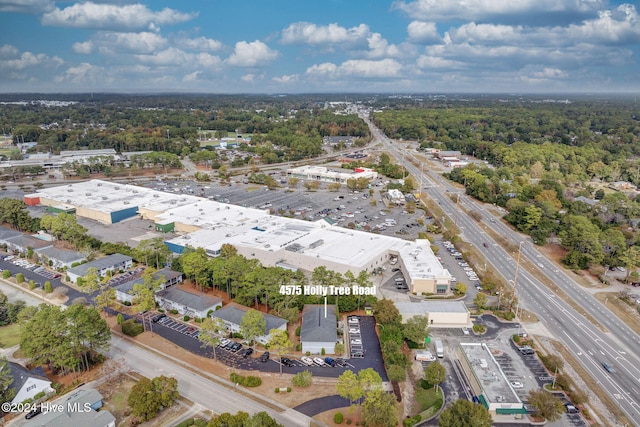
column 125, row 277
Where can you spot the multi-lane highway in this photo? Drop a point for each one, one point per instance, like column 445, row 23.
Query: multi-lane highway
column 618, row 346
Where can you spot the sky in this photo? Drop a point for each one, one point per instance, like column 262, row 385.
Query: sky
column 320, row 46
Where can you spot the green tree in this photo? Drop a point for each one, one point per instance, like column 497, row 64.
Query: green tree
column 19, row 278
column 480, row 300
column 91, row 281
column 105, row 299
column 6, row 378
column 416, row 329
column 302, row 379
column 153, row 252
column 48, row 287
column 348, row 386
column 379, row 409
column 386, row 312
column 546, row 405
column 463, row 413
column 279, row 343
column 211, row 332
column 460, row 289
column 148, row 397
column 252, row 325
column 434, row 373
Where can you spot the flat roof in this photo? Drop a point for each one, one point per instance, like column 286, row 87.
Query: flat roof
column 422, row 307
column 489, row 376
column 420, row 262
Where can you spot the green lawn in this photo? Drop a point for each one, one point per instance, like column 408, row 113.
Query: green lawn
column 10, row 335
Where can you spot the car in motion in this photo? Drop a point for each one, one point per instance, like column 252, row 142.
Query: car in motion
column 607, row 367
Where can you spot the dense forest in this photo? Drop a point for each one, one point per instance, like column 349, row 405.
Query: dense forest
column 289, row 127
column 552, row 165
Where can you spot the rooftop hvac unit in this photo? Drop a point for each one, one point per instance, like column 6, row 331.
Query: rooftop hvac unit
column 156, row 195
column 228, row 207
column 135, row 191
column 70, row 190
column 201, row 210
column 116, row 188
column 126, row 202
column 104, row 197
column 68, row 201
column 99, row 184
column 87, row 194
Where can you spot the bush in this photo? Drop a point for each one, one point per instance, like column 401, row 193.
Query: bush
column 32, row 284
column 277, row 389
column 173, row 311
column 39, row 395
column 299, row 347
column 322, row 351
column 237, row 335
column 308, row 353
column 80, row 282
column 186, row 423
column 197, row 320
column 131, row 327
column 298, row 331
column 396, row 373
column 6, row 274
column 412, row 421
column 249, row 381
column 479, row 329
column 348, row 421
column 338, row 418
column 302, row 379
column 119, row 318
column 48, row 287
column 19, row 277
column 127, row 303
column 186, row 318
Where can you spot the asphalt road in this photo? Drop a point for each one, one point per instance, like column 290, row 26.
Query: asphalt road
column 619, row 345
column 197, row 388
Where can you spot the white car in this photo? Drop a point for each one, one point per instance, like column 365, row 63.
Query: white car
column 517, row 384
column 319, row 361
column 465, row 330
column 307, row 360
column 356, row 341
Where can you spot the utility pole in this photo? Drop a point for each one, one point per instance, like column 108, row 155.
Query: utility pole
column 455, row 221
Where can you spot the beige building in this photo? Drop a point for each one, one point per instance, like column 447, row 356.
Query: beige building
column 441, row 314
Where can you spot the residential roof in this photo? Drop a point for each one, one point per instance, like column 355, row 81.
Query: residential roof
column 99, row 264
column 193, row 301
column 67, row 418
column 63, row 255
column 233, row 313
column 318, row 327
column 21, row 374
column 28, row 242
column 168, row 274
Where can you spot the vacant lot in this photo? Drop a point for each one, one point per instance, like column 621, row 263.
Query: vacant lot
column 10, row 335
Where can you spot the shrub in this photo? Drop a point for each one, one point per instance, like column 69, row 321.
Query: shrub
column 119, row 318
column 396, row 373
column 348, row 421
column 249, row 381
column 237, row 335
column 186, row 318
column 479, row 329
column 277, row 389
column 32, row 284
column 411, row 421
column 39, row 395
column 322, row 351
column 19, row 277
column 338, row 418
column 197, row 320
column 308, row 353
column 516, row 338
column 173, row 311
column 302, row 379
column 127, row 303
column 48, row 287
column 298, row 331
column 80, row 282
column 6, row 274
column 299, row 347
column 131, row 327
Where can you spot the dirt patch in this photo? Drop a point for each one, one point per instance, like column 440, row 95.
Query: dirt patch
column 349, row 414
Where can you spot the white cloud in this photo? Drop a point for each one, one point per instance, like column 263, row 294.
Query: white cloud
column 26, row 6
column 251, row 77
column 620, row 25
column 82, row 75
column 431, row 62
column 360, row 68
column 201, row 44
column 8, row 51
column 83, row 48
column 132, row 17
column 253, row 54
column 438, row 10
column 192, row 77
column 420, row 31
column 380, row 47
column 290, row 78
column 13, row 60
column 312, row 34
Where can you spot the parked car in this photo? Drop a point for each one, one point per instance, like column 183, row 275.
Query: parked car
column 158, row 317
column 517, row 384
column 341, row 362
column 307, row 360
column 32, row 413
column 236, row 347
column 247, row 352
column 286, row 362
column 571, row 409
column 318, row 360
column 264, row 357
column 329, row 361
column 224, row 342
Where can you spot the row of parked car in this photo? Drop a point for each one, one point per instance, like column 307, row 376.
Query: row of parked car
column 355, row 338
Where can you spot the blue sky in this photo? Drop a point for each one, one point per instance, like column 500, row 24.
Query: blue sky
column 304, row 46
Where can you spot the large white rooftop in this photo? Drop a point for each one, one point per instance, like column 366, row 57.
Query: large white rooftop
column 420, row 262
